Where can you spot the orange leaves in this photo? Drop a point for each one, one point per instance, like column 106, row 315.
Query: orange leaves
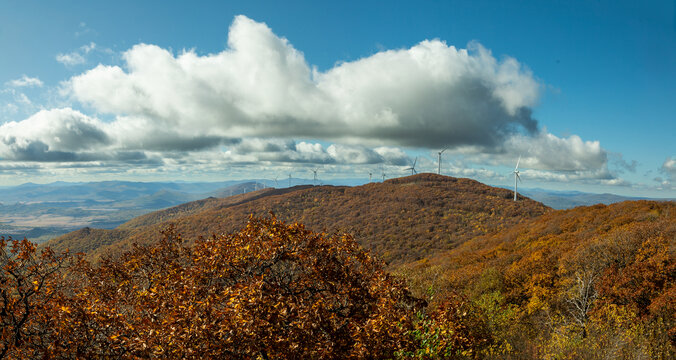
column 30, row 292
column 272, row 290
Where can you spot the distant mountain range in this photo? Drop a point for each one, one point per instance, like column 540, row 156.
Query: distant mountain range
column 42, row 211
column 569, row 199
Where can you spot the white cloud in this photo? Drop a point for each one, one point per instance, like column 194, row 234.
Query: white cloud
column 548, row 152
column 252, row 150
column 70, row 59
column 10, row 108
column 76, row 57
column 353, row 154
column 54, row 135
column 458, row 170
column 140, row 133
column 547, row 157
column 88, row 47
column 600, row 176
column 429, row 95
column 393, row 155
column 83, row 29
column 668, row 168
column 25, row 81
column 244, row 104
column 22, row 99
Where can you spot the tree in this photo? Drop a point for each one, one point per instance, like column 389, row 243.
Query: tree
column 31, row 289
column 270, row 291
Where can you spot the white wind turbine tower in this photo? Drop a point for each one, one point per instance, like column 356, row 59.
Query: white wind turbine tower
column 440, row 152
column 314, row 180
column 289, row 179
column 516, row 176
column 412, row 168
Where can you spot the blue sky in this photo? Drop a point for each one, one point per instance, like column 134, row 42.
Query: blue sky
column 583, row 91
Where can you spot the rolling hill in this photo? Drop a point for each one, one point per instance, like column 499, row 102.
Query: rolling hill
column 600, row 277
column 401, row 220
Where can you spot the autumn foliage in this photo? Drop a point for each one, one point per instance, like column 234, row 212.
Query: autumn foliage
column 270, row 291
column 400, row 220
column 31, row 287
column 588, row 283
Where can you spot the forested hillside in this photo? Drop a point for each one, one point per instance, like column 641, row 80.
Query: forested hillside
column 592, row 279
column 476, row 276
column 401, row 220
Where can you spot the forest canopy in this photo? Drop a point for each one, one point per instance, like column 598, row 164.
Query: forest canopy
column 271, row 290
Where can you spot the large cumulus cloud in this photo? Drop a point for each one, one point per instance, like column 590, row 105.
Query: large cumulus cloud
column 247, row 102
column 427, row 96
column 51, row 135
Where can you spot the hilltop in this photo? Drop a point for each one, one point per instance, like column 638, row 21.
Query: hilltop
column 401, row 220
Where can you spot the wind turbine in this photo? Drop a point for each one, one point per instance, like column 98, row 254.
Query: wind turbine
column 276, row 183
column 289, row 179
column 370, row 175
column 383, row 176
column 314, row 181
column 440, row 152
column 516, row 176
column 412, row 168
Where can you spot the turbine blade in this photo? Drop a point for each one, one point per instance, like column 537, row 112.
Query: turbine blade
column 414, row 162
column 518, row 177
column 517, row 164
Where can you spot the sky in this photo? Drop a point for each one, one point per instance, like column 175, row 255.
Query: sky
column 582, row 92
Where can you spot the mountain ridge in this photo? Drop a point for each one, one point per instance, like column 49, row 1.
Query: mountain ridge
column 401, row 219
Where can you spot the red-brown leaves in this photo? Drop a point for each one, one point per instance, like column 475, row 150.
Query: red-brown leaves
column 31, row 288
column 271, row 291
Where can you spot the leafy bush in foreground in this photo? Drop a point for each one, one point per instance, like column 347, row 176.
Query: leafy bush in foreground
column 270, row 291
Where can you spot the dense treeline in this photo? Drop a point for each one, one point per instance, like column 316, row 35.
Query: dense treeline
column 270, row 291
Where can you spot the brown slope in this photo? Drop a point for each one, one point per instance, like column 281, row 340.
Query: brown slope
column 198, row 206
column 631, row 245
column 86, row 240
column 401, row 219
column 89, row 240
column 598, row 277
